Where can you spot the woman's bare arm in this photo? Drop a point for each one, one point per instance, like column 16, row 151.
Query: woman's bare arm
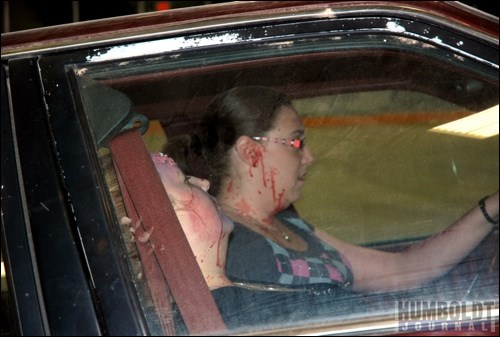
column 384, row 271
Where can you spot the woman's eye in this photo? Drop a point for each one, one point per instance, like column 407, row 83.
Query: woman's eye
column 298, row 143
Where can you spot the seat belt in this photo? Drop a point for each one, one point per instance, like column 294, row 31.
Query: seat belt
column 157, row 284
column 170, row 247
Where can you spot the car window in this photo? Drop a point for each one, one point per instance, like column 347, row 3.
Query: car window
column 360, row 137
column 384, row 176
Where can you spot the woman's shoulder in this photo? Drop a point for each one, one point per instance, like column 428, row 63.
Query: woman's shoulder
column 243, row 238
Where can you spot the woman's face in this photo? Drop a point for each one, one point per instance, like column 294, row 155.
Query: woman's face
column 285, row 159
column 173, row 179
column 195, row 208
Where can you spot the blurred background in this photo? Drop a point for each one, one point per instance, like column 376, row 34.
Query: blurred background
column 28, row 14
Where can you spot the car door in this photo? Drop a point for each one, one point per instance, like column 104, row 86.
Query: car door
column 369, row 83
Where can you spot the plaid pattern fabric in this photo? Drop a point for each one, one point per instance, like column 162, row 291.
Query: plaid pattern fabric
column 319, row 264
column 256, row 259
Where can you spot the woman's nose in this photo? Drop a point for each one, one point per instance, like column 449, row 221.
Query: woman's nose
column 307, row 156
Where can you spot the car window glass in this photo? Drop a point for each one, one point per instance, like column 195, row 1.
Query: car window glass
column 382, row 177
column 360, row 137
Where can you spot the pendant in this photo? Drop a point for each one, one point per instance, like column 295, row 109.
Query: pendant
column 286, row 237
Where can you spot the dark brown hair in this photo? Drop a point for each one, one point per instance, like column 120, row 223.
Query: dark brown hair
column 249, row 111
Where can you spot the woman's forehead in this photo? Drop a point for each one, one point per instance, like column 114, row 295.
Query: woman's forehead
column 288, row 121
column 168, row 170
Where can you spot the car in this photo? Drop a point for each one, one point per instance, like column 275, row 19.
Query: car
column 380, row 87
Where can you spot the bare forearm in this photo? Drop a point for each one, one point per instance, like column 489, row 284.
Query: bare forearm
column 383, row 271
column 437, row 254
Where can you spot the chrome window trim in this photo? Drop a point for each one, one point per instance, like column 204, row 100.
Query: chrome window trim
column 236, row 21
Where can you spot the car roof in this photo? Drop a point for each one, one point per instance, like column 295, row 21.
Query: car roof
column 197, row 18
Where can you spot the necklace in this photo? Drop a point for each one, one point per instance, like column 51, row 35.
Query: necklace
column 277, row 229
column 286, row 236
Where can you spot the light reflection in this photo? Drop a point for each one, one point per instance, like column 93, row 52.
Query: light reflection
column 480, row 125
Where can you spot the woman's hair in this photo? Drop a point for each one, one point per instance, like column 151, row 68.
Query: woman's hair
column 240, row 111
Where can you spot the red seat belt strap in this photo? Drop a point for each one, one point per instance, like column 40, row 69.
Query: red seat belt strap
column 156, row 282
column 172, row 250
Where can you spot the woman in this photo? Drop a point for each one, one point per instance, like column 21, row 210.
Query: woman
column 205, row 226
column 207, row 230
column 253, row 142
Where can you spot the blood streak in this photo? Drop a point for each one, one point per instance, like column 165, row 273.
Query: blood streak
column 272, row 175
column 258, row 157
column 261, row 158
column 279, row 201
column 277, row 198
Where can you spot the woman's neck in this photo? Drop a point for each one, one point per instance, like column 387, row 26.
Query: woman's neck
column 246, row 204
column 269, row 227
column 243, row 212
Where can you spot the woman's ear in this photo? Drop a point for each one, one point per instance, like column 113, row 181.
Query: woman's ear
column 249, row 151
